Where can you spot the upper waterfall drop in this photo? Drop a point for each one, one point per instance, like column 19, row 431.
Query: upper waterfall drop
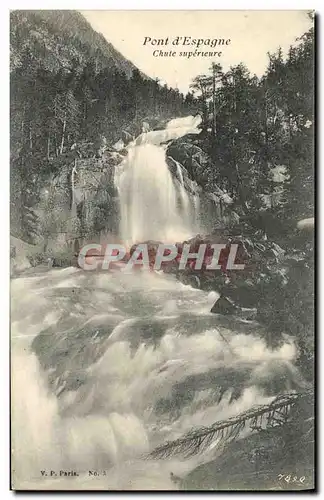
column 149, row 199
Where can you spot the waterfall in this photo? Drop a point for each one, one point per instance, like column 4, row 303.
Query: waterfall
column 184, row 197
column 106, row 367
column 147, row 192
column 196, row 205
column 189, row 201
column 74, row 196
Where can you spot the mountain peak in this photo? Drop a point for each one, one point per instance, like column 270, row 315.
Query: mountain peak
column 59, row 38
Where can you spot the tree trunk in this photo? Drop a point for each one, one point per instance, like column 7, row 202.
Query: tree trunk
column 23, row 123
column 30, row 138
column 62, row 141
column 214, row 100
column 48, row 146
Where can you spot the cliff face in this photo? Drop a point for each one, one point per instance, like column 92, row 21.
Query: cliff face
column 60, row 39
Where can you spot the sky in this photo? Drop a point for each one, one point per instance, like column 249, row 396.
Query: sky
column 252, row 34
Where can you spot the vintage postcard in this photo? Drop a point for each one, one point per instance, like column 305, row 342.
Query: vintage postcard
column 162, row 250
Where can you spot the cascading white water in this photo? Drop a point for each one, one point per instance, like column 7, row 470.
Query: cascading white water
column 107, row 366
column 196, row 205
column 147, row 192
column 148, row 198
column 185, row 201
column 133, row 363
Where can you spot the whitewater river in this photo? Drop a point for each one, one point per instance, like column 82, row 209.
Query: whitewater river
column 107, row 366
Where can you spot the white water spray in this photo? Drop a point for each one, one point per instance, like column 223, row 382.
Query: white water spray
column 108, row 366
column 148, row 195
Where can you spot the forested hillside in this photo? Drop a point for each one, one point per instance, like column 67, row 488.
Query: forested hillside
column 259, row 135
column 57, row 38
column 257, row 145
column 70, row 89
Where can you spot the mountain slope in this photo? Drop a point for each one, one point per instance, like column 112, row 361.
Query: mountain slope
column 61, row 39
